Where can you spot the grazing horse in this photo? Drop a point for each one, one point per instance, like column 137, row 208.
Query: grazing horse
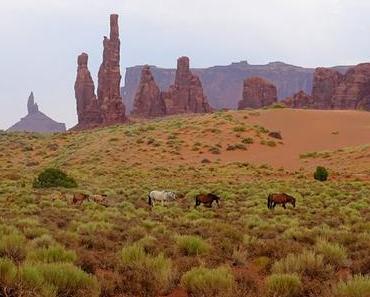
column 78, row 198
column 160, row 196
column 207, row 200
column 282, row 198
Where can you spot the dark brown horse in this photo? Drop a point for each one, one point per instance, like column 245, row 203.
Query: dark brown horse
column 282, row 198
column 207, row 200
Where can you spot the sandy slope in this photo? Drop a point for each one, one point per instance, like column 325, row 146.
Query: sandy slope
column 304, row 131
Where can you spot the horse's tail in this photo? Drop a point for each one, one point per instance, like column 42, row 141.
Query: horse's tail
column 150, row 201
column 269, row 201
column 196, row 201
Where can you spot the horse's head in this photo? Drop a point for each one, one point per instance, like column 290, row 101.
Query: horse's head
column 172, row 196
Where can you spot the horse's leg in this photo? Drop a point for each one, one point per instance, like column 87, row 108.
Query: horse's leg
column 284, row 206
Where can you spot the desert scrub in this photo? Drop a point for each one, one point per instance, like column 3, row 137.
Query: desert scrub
column 201, row 282
column 144, row 274
column 52, row 254
column 283, row 285
column 333, row 253
column 68, row 280
column 238, row 146
column 192, row 245
column 306, row 263
column 359, row 286
column 53, row 177
column 13, row 246
column 248, row 140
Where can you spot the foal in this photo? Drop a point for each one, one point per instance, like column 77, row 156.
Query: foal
column 206, row 199
column 274, row 199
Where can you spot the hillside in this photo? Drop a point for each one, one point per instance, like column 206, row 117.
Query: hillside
column 125, row 248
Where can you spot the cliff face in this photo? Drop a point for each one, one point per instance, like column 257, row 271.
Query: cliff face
column 257, row 93
column 354, row 90
column 223, row 85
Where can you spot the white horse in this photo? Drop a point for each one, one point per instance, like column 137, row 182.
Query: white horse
column 160, row 196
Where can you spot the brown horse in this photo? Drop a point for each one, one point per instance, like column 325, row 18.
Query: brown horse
column 206, row 199
column 282, row 198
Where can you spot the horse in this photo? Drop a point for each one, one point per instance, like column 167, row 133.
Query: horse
column 207, row 200
column 282, row 198
column 160, row 196
column 78, row 198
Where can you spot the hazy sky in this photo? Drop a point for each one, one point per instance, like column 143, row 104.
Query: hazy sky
column 40, row 40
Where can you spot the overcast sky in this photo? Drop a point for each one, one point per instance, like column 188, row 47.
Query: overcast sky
column 40, row 40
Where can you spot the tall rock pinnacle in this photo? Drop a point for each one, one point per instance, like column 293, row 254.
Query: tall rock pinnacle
column 109, row 78
column 88, row 111
column 32, row 107
column 107, row 107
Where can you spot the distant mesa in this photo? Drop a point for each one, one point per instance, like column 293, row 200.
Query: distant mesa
column 36, row 121
column 257, row 93
column 223, row 85
column 105, row 108
column 184, row 96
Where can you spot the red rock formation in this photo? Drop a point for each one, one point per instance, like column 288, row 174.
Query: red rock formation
column 107, row 108
column 88, row 111
column 299, row 100
column 148, row 100
column 354, row 91
column 325, row 83
column 258, row 93
column 109, row 95
column 186, row 95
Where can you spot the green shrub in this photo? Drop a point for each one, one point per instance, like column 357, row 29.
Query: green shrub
column 321, row 174
column 359, row 286
column 192, row 245
column 13, row 247
column 52, row 254
column 248, row 140
column 283, row 285
column 143, row 273
column 306, row 263
column 202, row 281
column 52, row 177
column 8, row 272
column 333, row 253
column 68, row 280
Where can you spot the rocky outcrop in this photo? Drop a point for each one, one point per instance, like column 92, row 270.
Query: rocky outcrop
column 107, row 107
column 299, row 100
column 186, row 94
column 257, row 93
column 32, row 107
column 36, row 121
column 109, row 78
column 223, row 85
column 88, row 110
column 148, row 100
column 325, row 83
column 354, row 90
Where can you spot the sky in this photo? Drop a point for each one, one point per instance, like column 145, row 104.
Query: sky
column 41, row 39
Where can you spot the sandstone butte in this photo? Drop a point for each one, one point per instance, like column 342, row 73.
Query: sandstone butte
column 257, row 93
column 333, row 90
column 186, row 95
column 107, row 107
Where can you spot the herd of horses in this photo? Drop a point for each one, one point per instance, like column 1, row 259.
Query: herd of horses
column 207, row 200
column 164, row 197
